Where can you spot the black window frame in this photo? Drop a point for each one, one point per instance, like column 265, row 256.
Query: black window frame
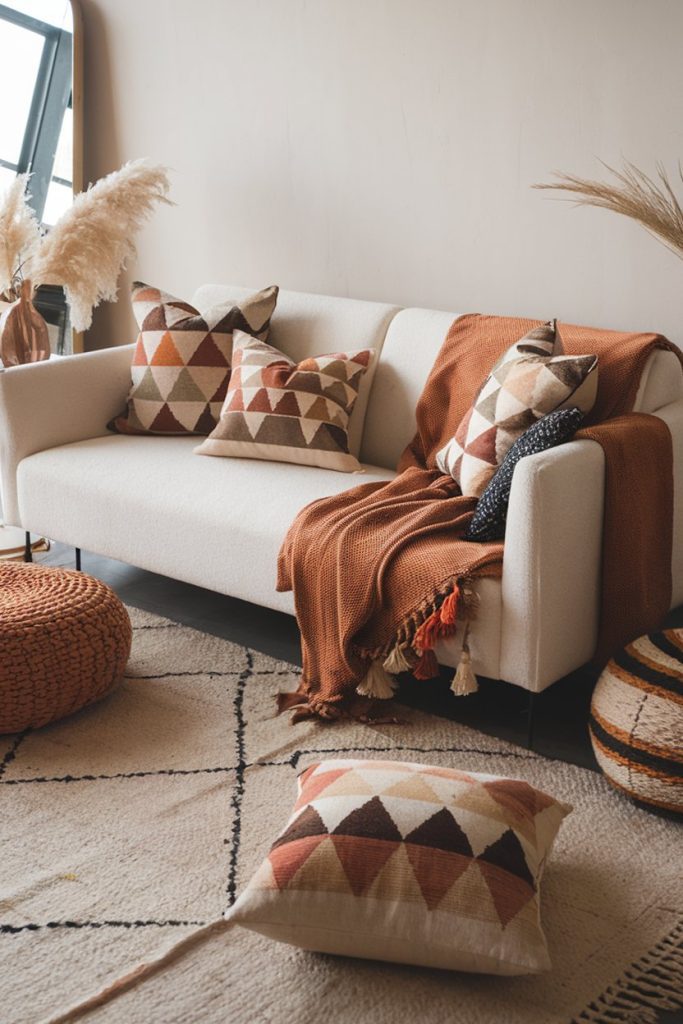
column 51, row 97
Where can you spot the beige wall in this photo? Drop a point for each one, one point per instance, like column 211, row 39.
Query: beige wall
column 384, row 149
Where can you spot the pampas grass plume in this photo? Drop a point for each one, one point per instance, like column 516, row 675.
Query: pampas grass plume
column 19, row 233
column 90, row 244
column 651, row 202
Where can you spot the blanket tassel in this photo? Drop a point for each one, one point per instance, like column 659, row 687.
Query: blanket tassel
column 396, row 661
column 464, row 680
column 377, row 683
column 427, row 667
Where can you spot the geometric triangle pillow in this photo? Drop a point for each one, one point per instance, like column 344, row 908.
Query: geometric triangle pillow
column 279, row 410
column 388, row 860
column 530, row 380
column 181, row 364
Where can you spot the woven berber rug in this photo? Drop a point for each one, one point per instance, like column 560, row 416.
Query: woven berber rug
column 132, row 824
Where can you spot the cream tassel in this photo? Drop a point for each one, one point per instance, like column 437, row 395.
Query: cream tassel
column 396, row 661
column 464, row 680
column 377, row 683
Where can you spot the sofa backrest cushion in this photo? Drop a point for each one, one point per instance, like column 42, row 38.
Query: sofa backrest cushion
column 410, row 348
column 312, row 325
column 409, row 341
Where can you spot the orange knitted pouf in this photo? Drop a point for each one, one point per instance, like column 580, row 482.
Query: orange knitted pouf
column 64, row 642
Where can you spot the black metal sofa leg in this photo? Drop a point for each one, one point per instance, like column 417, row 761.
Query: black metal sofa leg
column 78, row 558
column 28, row 550
column 531, row 708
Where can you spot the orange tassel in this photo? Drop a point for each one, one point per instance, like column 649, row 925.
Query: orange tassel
column 427, row 667
column 449, row 609
column 431, row 631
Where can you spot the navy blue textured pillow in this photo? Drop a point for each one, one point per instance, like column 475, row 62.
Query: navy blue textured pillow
column 488, row 522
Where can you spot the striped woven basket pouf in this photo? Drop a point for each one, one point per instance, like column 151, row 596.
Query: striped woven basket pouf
column 636, row 721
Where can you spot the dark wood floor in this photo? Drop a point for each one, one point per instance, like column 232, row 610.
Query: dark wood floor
column 560, row 713
column 499, row 709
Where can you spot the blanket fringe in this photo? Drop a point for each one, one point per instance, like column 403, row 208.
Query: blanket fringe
column 377, row 683
column 140, row 973
column 653, row 983
column 427, row 667
column 397, row 660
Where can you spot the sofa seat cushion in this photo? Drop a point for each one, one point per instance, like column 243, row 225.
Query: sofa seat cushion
column 149, row 501
column 217, row 523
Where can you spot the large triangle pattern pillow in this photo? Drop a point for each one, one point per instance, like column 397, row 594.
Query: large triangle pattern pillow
column 532, row 378
column 412, row 863
column 284, row 411
column 182, row 360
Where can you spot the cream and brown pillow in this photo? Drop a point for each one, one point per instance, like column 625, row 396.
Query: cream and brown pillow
column 288, row 412
column 182, row 360
column 409, row 863
column 533, row 378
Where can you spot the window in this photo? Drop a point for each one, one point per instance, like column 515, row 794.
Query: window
column 36, row 38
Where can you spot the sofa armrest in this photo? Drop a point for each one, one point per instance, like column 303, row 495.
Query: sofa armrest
column 553, row 556
column 44, row 405
column 551, row 569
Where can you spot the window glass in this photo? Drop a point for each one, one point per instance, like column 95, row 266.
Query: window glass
column 21, row 52
column 6, row 179
column 65, row 147
column 59, row 199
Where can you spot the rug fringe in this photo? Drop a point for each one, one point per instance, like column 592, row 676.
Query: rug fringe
column 140, row 973
column 653, row 983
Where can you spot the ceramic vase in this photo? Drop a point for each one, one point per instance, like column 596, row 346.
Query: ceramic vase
column 23, row 332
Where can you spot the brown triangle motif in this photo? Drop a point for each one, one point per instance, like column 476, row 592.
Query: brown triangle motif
column 507, row 875
column 221, row 392
column 484, row 446
column 260, row 402
column 166, row 423
column 441, row 832
column 371, row 820
column 435, row 871
column 308, row 823
column 362, row 858
column 287, row 860
column 208, row 354
column 206, row 422
column 287, row 405
column 318, row 411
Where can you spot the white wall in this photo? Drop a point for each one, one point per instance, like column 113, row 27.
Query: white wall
column 384, row 149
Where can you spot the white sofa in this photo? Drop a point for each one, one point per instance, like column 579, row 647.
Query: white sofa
column 219, row 522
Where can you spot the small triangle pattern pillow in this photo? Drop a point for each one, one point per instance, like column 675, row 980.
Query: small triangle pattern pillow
column 404, row 862
column 531, row 379
column 288, row 412
column 182, row 360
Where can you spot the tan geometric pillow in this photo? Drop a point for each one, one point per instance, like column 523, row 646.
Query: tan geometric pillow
column 181, row 364
column 530, row 380
column 404, row 862
column 278, row 410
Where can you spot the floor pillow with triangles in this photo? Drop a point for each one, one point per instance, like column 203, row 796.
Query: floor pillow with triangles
column 389, row 860
column 284, row 411
column 182, row 359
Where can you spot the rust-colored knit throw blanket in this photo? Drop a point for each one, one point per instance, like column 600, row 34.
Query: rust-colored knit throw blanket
column 384, row 568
